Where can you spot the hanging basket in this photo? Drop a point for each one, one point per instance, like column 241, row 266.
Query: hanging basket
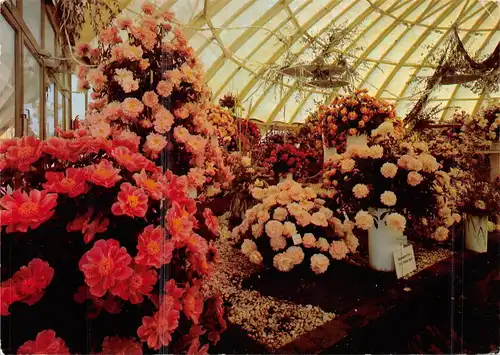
column 476, row 233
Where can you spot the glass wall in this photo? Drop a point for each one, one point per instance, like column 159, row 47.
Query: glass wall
column 7, row 79
column 50, row 111
column 31, row 107
column 26, row 108
column 78, row 100
column 32, row 15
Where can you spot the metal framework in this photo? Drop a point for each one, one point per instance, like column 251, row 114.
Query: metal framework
column 391, row 33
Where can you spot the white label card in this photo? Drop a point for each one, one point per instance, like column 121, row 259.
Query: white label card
column 297, row 239
column 404, row 259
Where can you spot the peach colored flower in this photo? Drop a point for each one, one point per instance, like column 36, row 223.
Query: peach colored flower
column 319, row 219
column 296, row 253
column 396, row 222
column 258, row 193
column 285, row 185
column 376, row 152
column 309, row 241
column 352, row 242
column 388, row 198
column 131, row 52
column 284, row 198
column 429, row 163
column 163, row 120
column 310, row 193
column 101, row 129
column 283, row 262
column 364, row 220
column 257, row 229
column 255, row 257
column 155, row 143
column 322, row 244
column 278, row 243
column 410, row 163
column 290, row 229
column 440, row 234
column 319, row 263
column 327, row 212
column 97, row 79
column 164, row 88
column 181, row 134
column 150, row 99
column 132, row 107
column 274, row 229
column 303, row 218
column 338, row 250
column 263, row 216
column 347, row 165
column 360, row 191
column 280, row 214
column 414, row 178
column 248, row 246
column 389, row 170
column 125, row 78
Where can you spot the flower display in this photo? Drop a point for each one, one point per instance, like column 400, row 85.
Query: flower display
column 224, row 124
column 384, row 176
column 108, row 202
column 290, row 225
column 352, row 115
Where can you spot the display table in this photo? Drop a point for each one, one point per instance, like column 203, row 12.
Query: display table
column 375, row 312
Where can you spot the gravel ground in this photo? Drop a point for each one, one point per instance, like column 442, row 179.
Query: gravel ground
column 428, row 257
column 270, row 321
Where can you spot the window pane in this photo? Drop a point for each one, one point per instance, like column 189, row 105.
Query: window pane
column 60, row 112
column 49, row 111
column 7, row 80
column 32, row 14
column 31, row 70
column 49, row 38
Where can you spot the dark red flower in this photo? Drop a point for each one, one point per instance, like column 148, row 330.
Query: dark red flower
column 104, row 265
column 211, row 221
column 192, row 302
column 137, row 286
column 73, row 183
column 120, row 346
column 30, row 281
column 153, row 247
column 8, row 296
column 45, row 343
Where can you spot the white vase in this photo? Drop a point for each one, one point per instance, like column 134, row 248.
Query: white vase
column 362, row 139
column 328, row 153
column 382, row 243
column 476, row 233
column 495, row 161
column 288, row 176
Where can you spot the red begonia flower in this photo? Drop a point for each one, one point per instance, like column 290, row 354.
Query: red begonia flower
column 57, row 147
column 103, row 174
column 45, row 343
column 132, row 202
column 104, row 265
column 131, row 161
column 120, row 346
column 211, row 221
column 30, row 281
column 178, row 223
column 136, row 287
column 8, row 296
column 192, row 302
column 26, row 151
column 73, row 183
column 153, row 247
column 22, row 211
column 155, row 186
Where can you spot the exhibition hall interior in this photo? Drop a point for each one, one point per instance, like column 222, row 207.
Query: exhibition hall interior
column 249, row 177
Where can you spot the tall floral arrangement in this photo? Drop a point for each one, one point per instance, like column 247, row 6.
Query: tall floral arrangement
column 224, row 124
column 103, row 212
column 289, row 226
column 247, row 137
column 352, row 115
column 401, row 178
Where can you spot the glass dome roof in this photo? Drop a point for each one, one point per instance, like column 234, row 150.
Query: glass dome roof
column 238, row 40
